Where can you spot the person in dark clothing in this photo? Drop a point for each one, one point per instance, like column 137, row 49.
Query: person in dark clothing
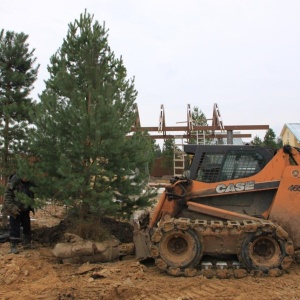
column 18, row 211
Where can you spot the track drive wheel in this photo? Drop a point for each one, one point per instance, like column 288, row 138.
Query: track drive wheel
column 178, row 251
column 265, row 251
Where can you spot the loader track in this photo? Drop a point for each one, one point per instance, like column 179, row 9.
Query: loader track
column 262, row 248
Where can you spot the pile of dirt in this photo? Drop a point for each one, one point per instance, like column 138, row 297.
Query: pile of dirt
column 49, row 236
column 123, row 231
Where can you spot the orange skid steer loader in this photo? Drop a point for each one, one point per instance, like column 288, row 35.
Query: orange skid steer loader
column 235, row 211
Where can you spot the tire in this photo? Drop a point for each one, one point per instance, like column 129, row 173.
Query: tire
column 262, row 251
column 180, row 248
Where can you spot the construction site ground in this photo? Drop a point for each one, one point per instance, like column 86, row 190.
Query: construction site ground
column 37, row 274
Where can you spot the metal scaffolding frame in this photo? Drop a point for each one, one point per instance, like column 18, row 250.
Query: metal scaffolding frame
column 217, row 130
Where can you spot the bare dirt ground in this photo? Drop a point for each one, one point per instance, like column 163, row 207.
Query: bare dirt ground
column 37, row 274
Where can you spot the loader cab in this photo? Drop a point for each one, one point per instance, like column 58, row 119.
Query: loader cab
column 215, row 163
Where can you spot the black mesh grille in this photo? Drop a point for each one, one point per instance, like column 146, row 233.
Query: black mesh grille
column 215, row 167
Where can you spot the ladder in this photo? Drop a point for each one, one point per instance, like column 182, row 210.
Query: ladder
column 179, row 156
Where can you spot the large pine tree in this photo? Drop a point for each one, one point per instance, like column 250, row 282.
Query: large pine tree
column 84, row 156
column 18, row 72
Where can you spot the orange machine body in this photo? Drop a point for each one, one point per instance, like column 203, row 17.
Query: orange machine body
column 241, row 201
column 279, row 181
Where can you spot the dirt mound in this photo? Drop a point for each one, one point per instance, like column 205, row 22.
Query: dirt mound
column 50, row 223
column 50, row 235
column 123, row 231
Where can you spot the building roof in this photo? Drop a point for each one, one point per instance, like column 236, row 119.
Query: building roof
column 294, row 128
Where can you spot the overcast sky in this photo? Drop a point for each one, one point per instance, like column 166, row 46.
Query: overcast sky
column 243, row 55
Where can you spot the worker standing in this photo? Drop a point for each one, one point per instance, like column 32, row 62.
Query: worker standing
column 18, row 211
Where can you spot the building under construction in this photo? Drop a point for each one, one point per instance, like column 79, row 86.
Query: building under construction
column 214, row 132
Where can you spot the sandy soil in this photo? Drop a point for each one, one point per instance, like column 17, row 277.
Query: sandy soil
column 37, row 274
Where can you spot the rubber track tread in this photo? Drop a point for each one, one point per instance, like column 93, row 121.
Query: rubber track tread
column 213, row 228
